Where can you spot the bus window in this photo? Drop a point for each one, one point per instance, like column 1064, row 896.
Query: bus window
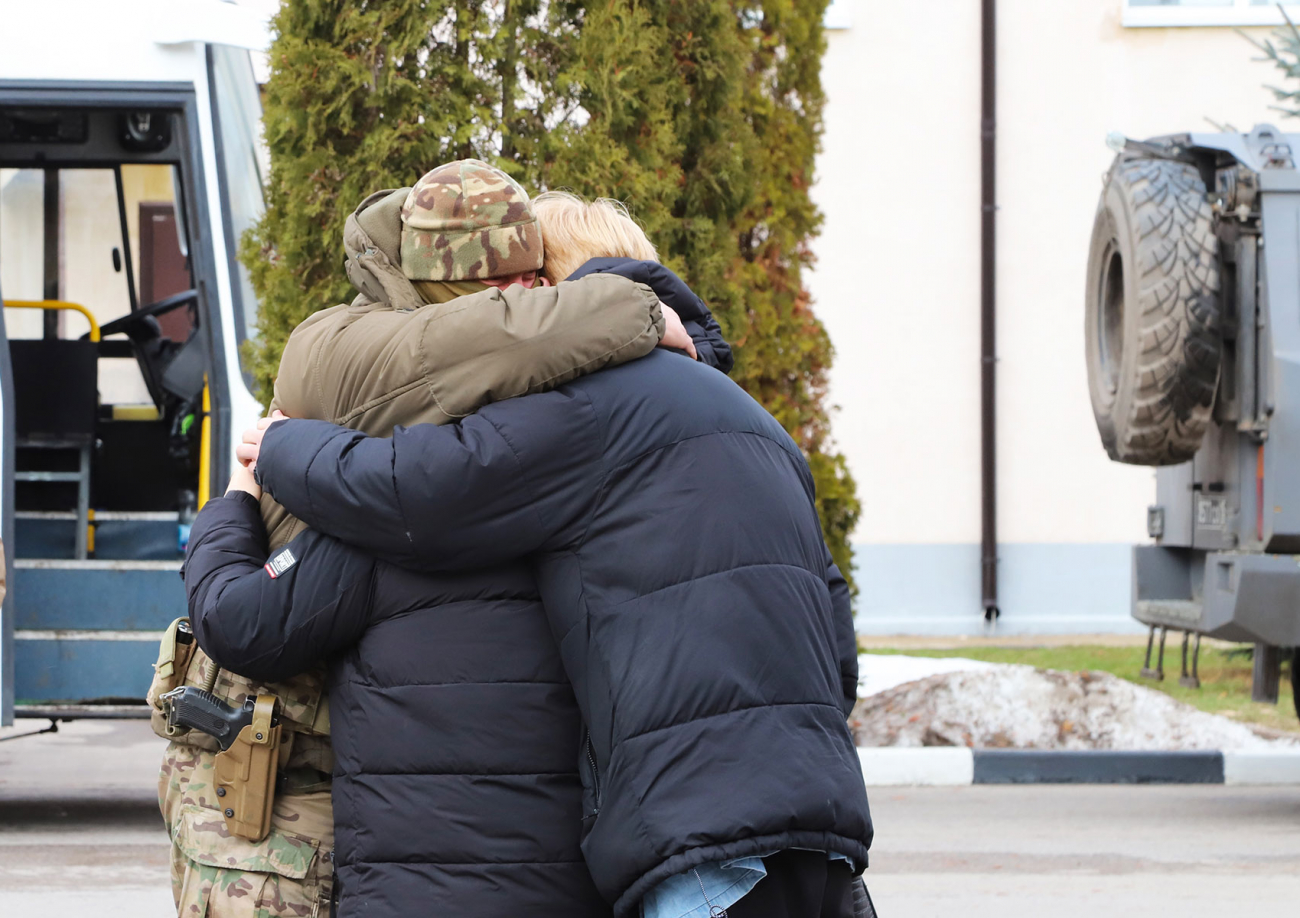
column 243, row 164
column 153, row 188
column 22, row 247
column 90, row 232
column 104, row 242
column 161, row 267
column 86, row 266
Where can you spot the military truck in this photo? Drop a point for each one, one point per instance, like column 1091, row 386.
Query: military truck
column 1193, row 351
column 130, row 164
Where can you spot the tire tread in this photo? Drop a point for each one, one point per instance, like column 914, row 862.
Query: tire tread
column 1179, row 345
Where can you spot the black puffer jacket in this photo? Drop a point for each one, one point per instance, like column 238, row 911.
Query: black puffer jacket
column 456, row 734
column 707, row 635
column 454, row 727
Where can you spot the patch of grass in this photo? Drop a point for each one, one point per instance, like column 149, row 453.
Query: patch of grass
column 1225, row 675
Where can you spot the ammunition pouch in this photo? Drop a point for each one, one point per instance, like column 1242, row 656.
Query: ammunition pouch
column 244, row 774
column 174, row 656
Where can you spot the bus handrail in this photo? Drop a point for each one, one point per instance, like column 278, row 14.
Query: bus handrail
column 57, row 304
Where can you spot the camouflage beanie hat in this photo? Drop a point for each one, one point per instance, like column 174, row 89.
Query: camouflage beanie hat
column 468, row 221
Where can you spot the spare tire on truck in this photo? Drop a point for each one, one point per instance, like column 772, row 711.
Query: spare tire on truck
column 1152, row 313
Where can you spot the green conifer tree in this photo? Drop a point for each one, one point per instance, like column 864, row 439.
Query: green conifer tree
column 704, row 115
column 1283, row 50
column 361, row 97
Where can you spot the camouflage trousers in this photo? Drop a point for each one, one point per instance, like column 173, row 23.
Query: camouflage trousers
column 216, row 875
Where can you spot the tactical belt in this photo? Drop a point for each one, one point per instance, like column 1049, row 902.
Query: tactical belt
column 254, row 746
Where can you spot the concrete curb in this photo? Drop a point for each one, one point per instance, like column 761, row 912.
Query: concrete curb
column 1276, row 766
column 1013, row 766
column 928, row 766
column 953, row 766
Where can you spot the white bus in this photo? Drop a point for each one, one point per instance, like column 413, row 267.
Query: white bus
column 130, row 165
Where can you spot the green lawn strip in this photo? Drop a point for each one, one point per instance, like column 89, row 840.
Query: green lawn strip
column 1225, row 676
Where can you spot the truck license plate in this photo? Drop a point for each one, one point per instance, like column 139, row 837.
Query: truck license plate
column 1211, row 512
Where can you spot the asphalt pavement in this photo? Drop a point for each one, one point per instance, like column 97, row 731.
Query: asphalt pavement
column 1001, row 851
column 80, row 835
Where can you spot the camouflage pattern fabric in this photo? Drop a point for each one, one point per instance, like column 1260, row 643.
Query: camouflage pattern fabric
column 468, row 221
column 216, row 875
column 289, row 874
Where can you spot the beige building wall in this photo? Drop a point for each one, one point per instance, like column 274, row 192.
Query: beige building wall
column 897, row 281
column 897, row 284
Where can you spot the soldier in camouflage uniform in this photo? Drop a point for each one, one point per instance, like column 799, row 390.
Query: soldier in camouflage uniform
column 216, row 875
column 462, row 221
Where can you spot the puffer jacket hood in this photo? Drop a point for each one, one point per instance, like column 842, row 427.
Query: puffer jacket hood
column 372, row 241
column 700, row 324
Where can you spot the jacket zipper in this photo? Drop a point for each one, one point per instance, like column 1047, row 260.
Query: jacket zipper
column 595, row 773
column 715, row 911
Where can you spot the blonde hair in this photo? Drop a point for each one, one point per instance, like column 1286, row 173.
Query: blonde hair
column 574, row 230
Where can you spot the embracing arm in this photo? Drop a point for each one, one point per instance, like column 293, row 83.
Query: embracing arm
column 712, row 348
column 268, row 627
column 512, row 479
column 514, row 341
column 371, row 367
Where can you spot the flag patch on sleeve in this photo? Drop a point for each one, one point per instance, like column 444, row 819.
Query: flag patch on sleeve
column 280, row 563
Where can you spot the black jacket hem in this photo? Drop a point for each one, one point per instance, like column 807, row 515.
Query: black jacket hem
column 628, row 904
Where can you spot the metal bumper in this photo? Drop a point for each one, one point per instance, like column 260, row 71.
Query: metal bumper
column 1236, row 596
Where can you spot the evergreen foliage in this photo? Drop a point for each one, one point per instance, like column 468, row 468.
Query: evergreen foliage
column 1283, row 49
column 703, row 115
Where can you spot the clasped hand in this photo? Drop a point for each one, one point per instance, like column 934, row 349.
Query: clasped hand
column 675, row 333
column 247, row 451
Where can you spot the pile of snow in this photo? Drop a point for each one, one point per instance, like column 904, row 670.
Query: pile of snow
column 879, row 673
column 919, row 701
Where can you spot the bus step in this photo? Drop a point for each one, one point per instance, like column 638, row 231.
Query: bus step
column 117, row 536
column 90, row 629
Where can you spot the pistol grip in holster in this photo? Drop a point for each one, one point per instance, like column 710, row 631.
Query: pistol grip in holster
column 244, row 774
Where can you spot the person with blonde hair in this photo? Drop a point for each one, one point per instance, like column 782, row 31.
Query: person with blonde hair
column 581, row 237
column 574, row 231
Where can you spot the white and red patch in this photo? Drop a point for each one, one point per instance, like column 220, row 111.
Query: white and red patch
column 280, row 563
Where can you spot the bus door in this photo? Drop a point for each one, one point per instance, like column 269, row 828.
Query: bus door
column 108, row 286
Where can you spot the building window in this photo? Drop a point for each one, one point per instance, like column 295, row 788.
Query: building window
column 1163, row 13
